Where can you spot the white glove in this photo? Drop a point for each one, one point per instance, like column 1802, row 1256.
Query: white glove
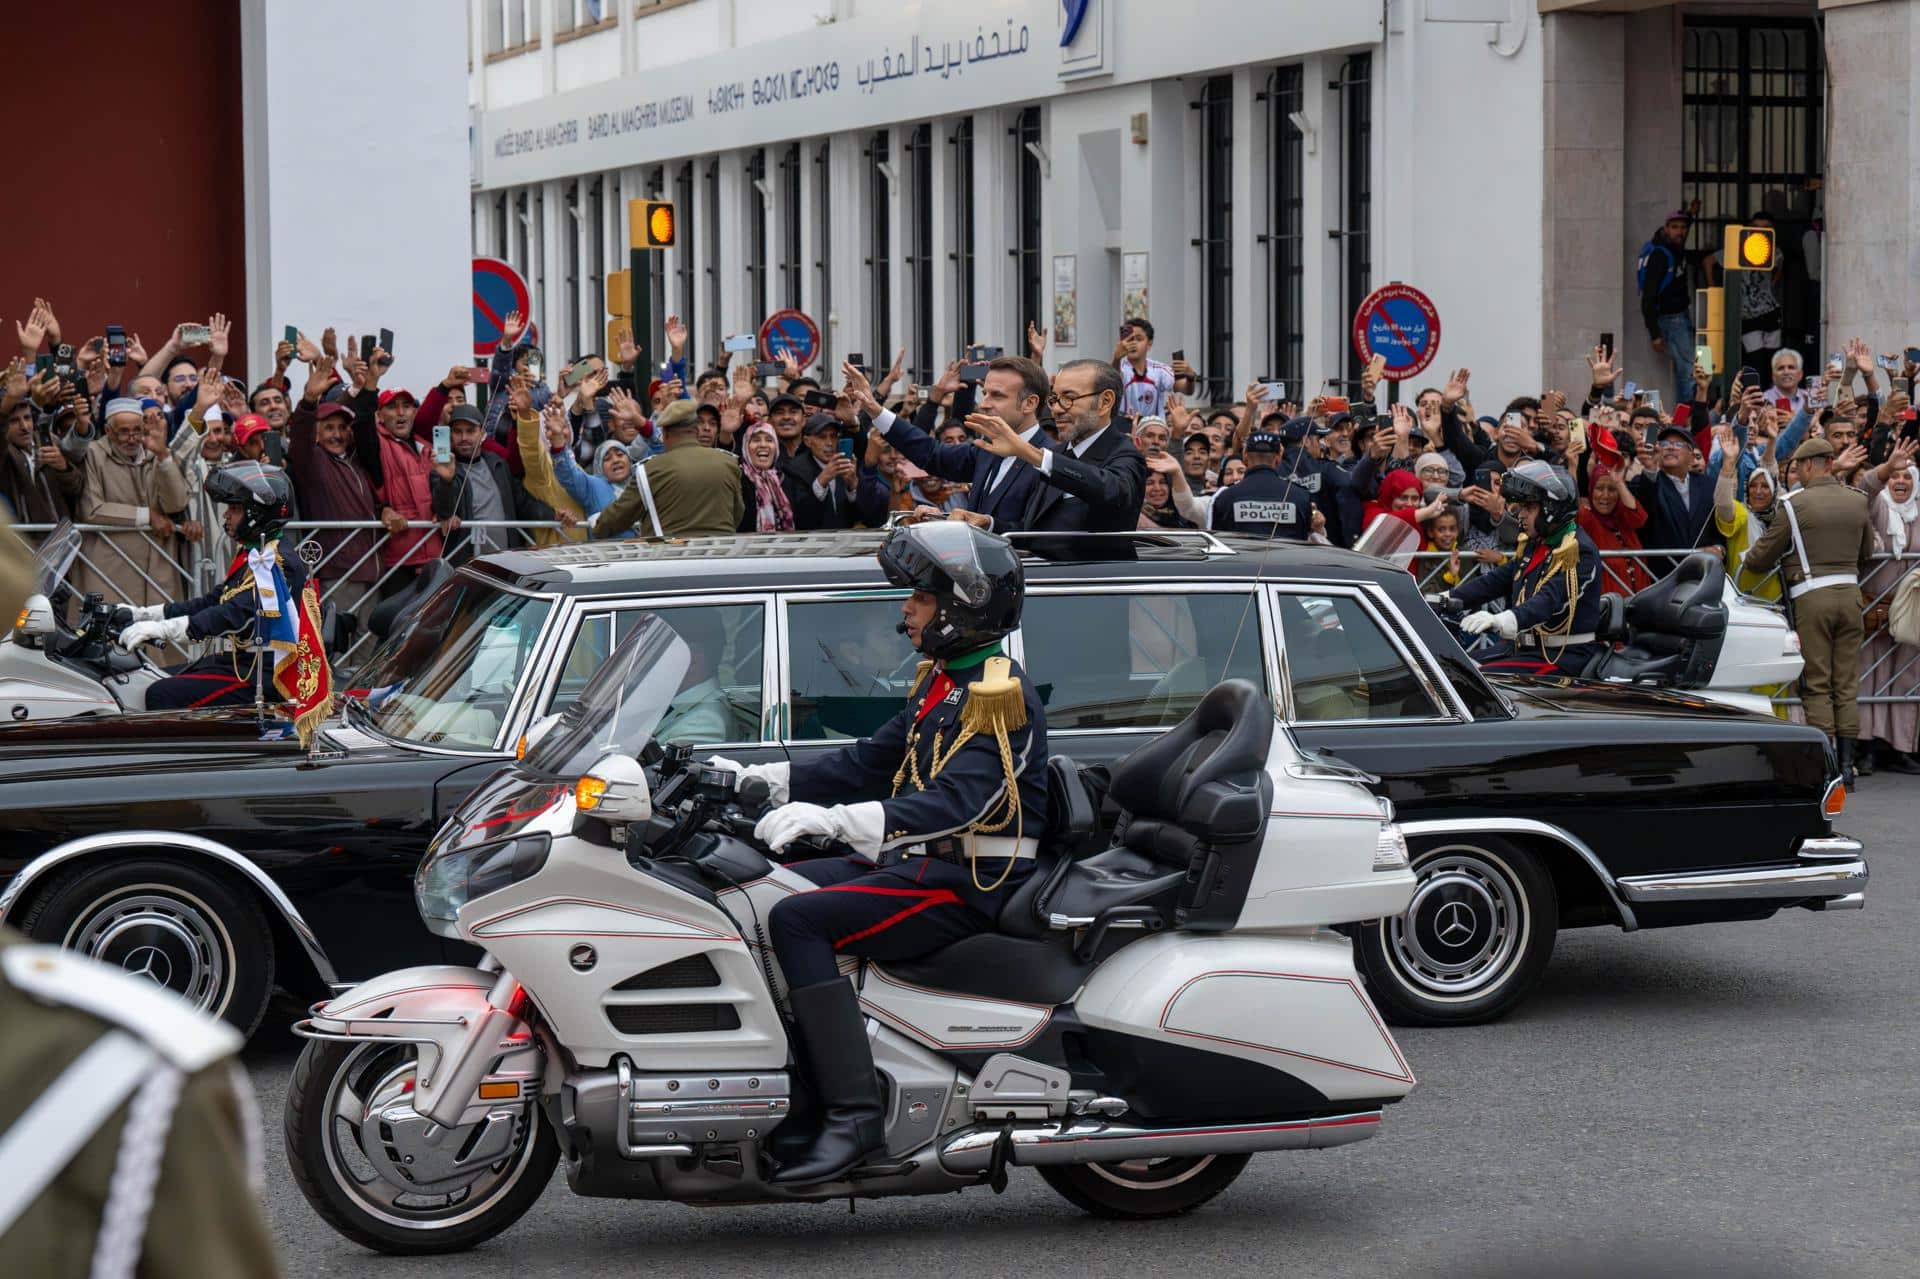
column 1481, row 623
column 158, row 632
column 149, row 612
column 774, row 775
column 860, row 826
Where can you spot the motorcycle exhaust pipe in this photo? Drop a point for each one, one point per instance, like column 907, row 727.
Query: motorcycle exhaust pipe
column 1084, row 1141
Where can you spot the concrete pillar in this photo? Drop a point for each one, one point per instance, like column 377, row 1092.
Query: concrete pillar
column 1585, row 104
column 1873, row 173
column 1655, row 129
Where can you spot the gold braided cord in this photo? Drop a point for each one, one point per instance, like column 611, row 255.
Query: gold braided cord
column 1011, row 812
column 1564, row 561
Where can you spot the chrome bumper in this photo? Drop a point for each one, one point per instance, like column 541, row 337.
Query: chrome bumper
column 1830, row 868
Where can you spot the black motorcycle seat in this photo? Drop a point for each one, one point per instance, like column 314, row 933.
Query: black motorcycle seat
column 1024, row 970
column 1118, row 877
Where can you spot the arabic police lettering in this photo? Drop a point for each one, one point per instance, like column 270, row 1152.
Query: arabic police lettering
column 559, row 134
column 949, row 58
column 1263, row 513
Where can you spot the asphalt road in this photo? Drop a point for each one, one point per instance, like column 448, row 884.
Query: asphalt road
column 1738, row 1099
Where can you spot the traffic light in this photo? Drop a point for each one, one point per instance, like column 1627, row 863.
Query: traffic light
column 618, row 294
column 650, row 224
column 1749, row 248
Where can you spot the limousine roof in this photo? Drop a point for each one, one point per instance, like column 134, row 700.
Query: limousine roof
column 847, row 556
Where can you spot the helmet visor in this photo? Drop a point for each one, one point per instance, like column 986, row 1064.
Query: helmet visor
column 942, row 556
column 247, row 482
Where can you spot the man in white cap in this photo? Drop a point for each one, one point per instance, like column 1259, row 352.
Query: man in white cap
column 134, row 485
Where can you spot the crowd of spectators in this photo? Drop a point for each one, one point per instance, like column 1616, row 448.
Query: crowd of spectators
column 520, row 450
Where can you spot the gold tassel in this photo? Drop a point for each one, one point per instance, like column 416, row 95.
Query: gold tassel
column 1565, row 557
column 995, row 702
column 920, row 678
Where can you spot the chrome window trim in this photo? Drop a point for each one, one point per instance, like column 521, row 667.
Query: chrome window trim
column 581, row 609
column 1440, row 693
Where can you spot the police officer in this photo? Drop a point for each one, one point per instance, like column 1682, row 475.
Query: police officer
column 1265, row 502
column 957, row 804
column 259, row 502
column 1822, row 542
column 127, row 1133
column 1551, row 584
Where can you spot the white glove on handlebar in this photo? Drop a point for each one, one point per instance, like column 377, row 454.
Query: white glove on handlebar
column 149, row 613
column 860, row 826
column 774, row 775
column 1480, row 623
column 156, row 632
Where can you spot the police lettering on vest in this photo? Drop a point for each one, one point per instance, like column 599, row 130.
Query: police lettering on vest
column 1265, row 503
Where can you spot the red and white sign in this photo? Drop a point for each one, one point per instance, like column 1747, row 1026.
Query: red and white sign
column 497, row 289
column 1401, row 323
column 790, row 333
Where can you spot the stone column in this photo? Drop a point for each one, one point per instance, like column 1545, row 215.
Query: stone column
column 1586, row 117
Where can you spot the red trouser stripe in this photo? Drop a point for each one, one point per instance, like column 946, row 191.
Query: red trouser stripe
column 231, row 684
column 932, row 896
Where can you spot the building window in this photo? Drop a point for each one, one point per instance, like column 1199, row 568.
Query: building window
column 963, row 228
column 756, row 196
column 1355, row 86
column 710, row 224
column 501, row 222
column 1216, row 238
column 596, row 220
column 879, row 250
column 791, row 259
column 512, row 25
column 1029, row 189
column 684, row 290
column 919, row 255
column 580, row 15
column 522, row 243
column 570, row 232
column 1285, row 97
column 823, row 255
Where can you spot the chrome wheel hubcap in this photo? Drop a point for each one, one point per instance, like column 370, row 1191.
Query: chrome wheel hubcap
column 169, row 938
column 1465, row 928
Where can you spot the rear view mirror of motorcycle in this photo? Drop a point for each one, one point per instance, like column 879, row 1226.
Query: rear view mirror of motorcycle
column 35, row 619
column 615, row 790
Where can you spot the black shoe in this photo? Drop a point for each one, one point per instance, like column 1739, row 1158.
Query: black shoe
column 833, row 1044
column 1864, row 758
column 1901, row 762
column 1848, row 778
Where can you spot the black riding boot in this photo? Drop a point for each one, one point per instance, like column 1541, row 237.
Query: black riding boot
column 833, row 1045
column 1864, row 757
column 1847, row 775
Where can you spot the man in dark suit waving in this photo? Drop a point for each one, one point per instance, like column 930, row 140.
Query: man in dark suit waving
column 1014, row 390
column 1091, row 481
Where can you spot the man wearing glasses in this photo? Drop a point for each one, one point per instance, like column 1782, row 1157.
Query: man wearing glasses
column 1093, row 480
column 1679, row 502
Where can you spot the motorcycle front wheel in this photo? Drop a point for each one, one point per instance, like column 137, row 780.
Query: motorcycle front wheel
column 359, row 1154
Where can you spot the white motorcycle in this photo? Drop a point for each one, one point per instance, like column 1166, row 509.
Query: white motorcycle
column 1142, row 1022
column 51, row 671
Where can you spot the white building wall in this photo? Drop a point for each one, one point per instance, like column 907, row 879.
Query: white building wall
column 389, row 248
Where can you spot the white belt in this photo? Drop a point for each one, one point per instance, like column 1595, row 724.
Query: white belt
column 1565, row 641
column 987, row 847
column 1825, row 579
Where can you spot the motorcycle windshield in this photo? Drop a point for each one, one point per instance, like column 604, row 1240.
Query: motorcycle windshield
column 1391, row 539
column 620, row 706
column 55, row 557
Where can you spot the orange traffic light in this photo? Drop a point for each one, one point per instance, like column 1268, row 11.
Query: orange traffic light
column 1749, row 248
column 650, row 224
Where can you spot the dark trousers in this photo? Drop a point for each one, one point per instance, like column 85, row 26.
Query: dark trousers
column 206, row 681
column 900, row 911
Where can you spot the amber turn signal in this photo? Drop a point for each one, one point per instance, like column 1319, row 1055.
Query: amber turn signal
column 588, row 792
column 1836, row 801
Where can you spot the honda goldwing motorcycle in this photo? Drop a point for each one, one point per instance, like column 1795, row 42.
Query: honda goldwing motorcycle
column 51, row 671
column 1143, row 1020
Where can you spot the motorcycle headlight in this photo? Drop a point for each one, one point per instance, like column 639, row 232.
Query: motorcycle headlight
column 448, row 880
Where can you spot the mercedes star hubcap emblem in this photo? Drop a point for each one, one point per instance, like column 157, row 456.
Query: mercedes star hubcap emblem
column 150, row 962
column 1454, row 924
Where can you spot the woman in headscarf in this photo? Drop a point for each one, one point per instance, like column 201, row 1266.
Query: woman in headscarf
column 1743, row 523
column 764, row 483
column 1156, row 508
column 1610, row 516
column 1887, row 668
column 1399, row 498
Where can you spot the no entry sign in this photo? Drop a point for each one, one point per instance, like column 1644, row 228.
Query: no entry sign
column 790, row 333
column 1400, row 323
column 497, row 289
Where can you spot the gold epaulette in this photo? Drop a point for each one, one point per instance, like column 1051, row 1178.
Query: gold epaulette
column 1566, row 556
column 920, row 678
column 995, row 702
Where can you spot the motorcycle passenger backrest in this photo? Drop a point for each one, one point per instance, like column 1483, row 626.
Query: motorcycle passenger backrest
column 1202, row 775
column 1686, row 603
column 1070, row 814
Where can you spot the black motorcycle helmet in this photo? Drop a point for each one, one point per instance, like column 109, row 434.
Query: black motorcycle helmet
column 1552, row 489
column 976, row 576
column 265, row 493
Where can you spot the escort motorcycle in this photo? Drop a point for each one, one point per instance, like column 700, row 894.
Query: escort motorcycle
column 1144, row 1019
column 49, row 670
column 1691, row 632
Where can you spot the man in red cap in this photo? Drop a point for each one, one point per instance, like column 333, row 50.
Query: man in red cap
column 400, row 463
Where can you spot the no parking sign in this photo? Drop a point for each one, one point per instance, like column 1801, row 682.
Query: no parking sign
column 1400, row 323
column 497, row 289
column 790, row 333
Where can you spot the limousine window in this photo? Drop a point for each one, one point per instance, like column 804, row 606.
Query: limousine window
column 1342, row 666
column 848, row 668
column 448, row 678
column 1136, row 660
column 720, row 698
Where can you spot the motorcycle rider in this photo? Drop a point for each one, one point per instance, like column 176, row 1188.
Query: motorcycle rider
column 961, row 776
column 1551, row 582
column 259, row 502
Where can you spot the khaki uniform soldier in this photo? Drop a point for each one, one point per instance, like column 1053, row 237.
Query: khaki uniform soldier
column 127, row 1135
column 690, row 490
column 1823, row 544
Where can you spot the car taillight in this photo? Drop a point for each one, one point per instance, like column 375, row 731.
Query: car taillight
column 1835, row 800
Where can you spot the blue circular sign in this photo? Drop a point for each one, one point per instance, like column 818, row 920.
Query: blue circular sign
column 790, row 333
column 497, row 289
column 1401, row 325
